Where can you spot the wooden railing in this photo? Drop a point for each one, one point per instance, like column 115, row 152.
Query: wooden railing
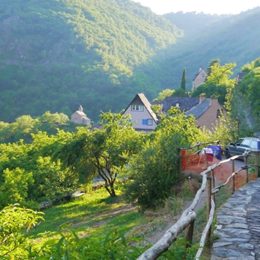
column 188, row 217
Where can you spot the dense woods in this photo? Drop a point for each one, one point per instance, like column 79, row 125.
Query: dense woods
column 66, row 53
column 56, row 55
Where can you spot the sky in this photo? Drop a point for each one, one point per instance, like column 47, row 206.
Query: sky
column 206, row 6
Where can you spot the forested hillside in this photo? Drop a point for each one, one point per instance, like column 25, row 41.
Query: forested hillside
column 230, row 39
column 192, row 23
column 56, row 54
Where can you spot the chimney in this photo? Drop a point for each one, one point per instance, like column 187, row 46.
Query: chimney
column 202, row 97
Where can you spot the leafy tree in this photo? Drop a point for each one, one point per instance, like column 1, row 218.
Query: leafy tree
column 219, row 84
column 215, row 61
column 104, row 151
column 155, row 170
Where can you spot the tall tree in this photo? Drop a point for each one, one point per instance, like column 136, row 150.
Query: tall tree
column 183, row 80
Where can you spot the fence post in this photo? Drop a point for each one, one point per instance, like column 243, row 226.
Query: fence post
column 213, row 183
column 209, row 202
column 234, row 177
column 189, row 236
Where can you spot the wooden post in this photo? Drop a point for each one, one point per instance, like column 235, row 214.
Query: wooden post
column 234, row 177
column 189, row 236
column 209, row 202
column 213, row 183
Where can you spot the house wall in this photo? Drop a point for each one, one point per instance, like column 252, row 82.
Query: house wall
column 138, row 116
column 210, row 118
column 200, row 79
column 78, row 119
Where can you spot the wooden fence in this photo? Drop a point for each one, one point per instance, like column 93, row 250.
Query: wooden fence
column 188, row 217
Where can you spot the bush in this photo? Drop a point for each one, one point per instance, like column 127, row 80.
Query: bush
column 156, row 169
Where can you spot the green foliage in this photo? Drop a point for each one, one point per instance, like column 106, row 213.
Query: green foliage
column 104, row 151
column 15, row 186
column 164, row 94
column 27, row 171
column 51, row 179
column 179, row 250
column 14, row 222
column 111, row 246
column 155, row 170
column 25, row 126
column 246, row 102
column 218, row 84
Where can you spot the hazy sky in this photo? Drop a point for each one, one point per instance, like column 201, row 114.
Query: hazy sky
column 206, row 6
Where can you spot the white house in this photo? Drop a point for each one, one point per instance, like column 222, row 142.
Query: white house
column 199, row 79
column 141, row 114
column 79, row 117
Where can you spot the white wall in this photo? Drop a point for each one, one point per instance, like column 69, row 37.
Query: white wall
column 138, row 116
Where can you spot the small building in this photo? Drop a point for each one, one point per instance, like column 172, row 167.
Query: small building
column 199, row 79
column 205, row 110
column 80, row 118
column 141, row 114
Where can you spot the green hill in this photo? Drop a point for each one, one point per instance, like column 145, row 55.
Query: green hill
column 228, row 38
column 57, row 54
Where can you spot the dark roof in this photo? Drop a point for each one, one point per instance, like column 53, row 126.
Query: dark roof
column 140, row 97
column 198, row 110
column 185, row 103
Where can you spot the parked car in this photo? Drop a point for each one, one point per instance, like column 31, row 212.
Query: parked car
column 242, row 145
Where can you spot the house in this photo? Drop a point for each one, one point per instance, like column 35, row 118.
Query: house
column 79, row 117
column 199, row 79
column 141, row 113
column 205, row 110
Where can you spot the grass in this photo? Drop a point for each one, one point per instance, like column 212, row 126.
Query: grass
column 93, row 214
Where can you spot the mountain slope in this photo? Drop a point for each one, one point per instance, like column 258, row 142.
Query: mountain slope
column 231, row 39
column 56, row 54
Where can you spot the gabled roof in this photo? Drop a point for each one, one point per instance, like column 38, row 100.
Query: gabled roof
column 184, row 103
column 146, row 103
column 189, row 105
column 199, row 72
column 198, row 110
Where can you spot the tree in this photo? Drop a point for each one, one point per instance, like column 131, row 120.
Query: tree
column 219, row 83
column 215, row 61
column 104, row 151
column 155, row 170
column 183, row 80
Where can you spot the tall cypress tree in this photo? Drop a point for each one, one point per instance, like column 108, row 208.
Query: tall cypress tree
column 183, row 80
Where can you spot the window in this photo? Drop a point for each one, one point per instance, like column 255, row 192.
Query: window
column 147, row 122
column 246, row 143
column 139, row 108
